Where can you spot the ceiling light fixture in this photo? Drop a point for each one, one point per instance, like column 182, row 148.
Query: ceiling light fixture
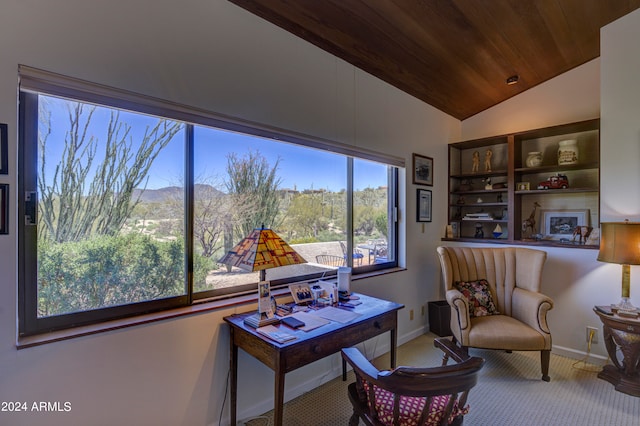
column 513, row 79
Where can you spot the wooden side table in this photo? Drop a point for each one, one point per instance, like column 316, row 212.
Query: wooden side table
column 621, row 335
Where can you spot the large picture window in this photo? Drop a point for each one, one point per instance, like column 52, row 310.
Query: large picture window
column 128, row 212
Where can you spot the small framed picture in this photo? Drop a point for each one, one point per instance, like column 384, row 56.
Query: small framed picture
column 560, row 224
column 264, row 299
column 455, row 230
column 422, row 170
column 523, row 186
column 4, row 208
column 301, row 293
column 4, row 155
column 423, row 204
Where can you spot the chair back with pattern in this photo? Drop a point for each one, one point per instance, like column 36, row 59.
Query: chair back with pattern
column 408, row 396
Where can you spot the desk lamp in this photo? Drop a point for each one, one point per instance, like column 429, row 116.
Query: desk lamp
column 259, row 251
column 620, row 243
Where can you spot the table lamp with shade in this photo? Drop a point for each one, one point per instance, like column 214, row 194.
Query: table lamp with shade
column 261, row 250
column 620, row 243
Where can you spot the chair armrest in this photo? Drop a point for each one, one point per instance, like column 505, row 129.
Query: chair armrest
column 531, row 308
column 459, row 307
column 361, row 365
column 450, row 349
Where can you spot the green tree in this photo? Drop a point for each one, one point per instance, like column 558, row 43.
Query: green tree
column 304, row 216
column 73, row 205
column 382, row 224
column 108, row 271
column 253, row 187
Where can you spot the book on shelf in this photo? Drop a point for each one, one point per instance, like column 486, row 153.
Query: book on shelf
column 477, row 216
column 274, row 333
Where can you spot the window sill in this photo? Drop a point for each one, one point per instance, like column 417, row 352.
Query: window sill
column 197, row 308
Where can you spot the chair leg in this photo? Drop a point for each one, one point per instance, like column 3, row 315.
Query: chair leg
column 545, row 357
column 354, row 420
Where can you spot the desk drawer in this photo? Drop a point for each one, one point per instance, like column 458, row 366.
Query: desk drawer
column 327, row 344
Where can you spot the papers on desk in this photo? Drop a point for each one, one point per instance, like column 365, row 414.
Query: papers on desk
column 275, row 333
column 310, row 321
column 336, row 314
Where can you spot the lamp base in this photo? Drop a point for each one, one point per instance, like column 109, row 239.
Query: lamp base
column 625, row 305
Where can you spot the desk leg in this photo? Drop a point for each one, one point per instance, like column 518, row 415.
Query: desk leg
column 394, row 346
column 233, row 369
column 344, row 369
column 278, row 406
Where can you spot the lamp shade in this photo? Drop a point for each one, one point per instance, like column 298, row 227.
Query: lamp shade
column 620, row 243
column 260, row 250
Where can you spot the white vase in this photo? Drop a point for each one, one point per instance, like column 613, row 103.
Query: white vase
column 534, row 159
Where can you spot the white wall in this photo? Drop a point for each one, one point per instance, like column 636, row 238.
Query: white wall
column 213, row 55
column 620, row 135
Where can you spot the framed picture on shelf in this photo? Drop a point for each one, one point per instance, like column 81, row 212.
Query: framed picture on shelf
column 560, row 224
column 422, row 170
column 4, row 208
column 523, row 186
column 455, row 230
column 423, row 204
column 4, row 155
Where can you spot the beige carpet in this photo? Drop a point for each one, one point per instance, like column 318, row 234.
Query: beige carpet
column 509, row 393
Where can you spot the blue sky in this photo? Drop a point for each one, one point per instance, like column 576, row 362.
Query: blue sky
column 299, row 167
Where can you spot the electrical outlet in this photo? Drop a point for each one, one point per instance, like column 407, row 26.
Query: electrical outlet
column 592, row 334
column 411, row 315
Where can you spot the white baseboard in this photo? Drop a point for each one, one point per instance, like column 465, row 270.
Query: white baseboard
column 575, row 354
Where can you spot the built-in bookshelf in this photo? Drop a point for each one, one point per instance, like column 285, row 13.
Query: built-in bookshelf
column 499, row 186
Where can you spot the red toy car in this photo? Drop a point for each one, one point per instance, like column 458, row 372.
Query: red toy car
column 555, row 182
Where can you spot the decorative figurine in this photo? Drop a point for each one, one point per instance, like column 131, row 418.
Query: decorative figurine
column 582, row 232
column 558, row 181
column 487, row 160
column 476, row 162
column 460, row 200
column 530, row 222
column 479, row 231
column 487, row 184
column 497, row 231
column 499, row 198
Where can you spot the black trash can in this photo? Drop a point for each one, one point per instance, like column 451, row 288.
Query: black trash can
column 439, row 318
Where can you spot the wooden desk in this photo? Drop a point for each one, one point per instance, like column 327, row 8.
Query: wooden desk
column 622, row 334
column 376, row 317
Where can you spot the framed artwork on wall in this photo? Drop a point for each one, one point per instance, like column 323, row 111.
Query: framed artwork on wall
column 4, row 155
column 4, row 208
column 422, row 170
column 423, row 204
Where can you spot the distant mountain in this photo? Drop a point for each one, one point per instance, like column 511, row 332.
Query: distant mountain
column 169, row 193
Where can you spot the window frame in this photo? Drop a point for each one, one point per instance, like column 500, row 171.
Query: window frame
column 34, row 82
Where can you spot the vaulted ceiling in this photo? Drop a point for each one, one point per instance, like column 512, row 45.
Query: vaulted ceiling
column 455, row 55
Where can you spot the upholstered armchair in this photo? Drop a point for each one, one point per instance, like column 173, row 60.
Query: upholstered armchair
column 495, row 299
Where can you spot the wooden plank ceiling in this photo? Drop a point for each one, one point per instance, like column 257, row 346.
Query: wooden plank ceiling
column 453, row 54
